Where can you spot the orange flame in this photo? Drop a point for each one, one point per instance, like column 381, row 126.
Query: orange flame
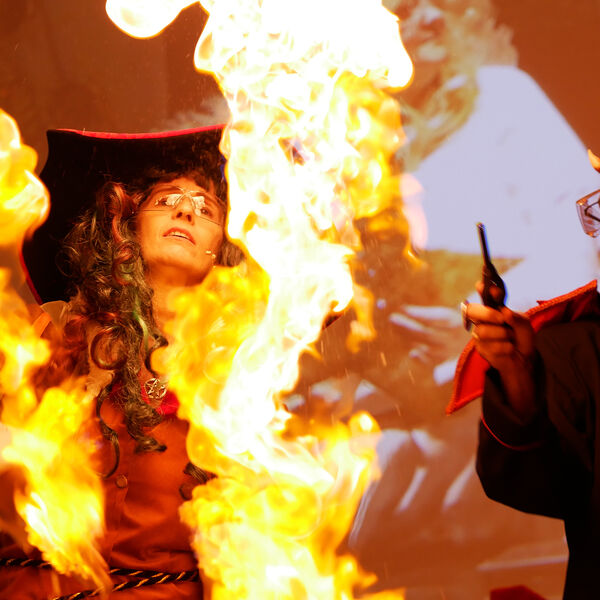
column 145, row 18
column 309, row 149
column 62, row 503
column 23, row 199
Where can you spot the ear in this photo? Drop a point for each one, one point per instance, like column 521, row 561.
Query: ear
column 594, row 160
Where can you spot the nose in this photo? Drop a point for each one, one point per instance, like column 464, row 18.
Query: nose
column 184, row 209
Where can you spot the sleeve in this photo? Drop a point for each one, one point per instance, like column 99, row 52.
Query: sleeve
column 542, row 465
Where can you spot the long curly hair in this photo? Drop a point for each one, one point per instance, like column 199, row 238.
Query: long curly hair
column 111, row 319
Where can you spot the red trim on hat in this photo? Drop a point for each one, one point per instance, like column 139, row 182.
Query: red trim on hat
column 142, row 136
column 470, row 371
column 28, row 279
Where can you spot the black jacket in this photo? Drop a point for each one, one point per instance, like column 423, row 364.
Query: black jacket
column 550, row 465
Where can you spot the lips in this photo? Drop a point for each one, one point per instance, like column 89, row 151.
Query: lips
column 181, row 234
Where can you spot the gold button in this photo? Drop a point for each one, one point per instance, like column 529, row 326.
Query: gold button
column 121, row 481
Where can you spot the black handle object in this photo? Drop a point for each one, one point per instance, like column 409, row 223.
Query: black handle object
column 489, row 275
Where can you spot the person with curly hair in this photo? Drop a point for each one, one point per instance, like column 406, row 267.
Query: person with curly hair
column 149, row 213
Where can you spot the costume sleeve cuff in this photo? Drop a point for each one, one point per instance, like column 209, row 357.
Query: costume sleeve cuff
column 503, row 424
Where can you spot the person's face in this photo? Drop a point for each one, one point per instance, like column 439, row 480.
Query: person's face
column 180, row 229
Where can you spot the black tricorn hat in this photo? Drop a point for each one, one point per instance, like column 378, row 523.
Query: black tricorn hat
column 80, row 162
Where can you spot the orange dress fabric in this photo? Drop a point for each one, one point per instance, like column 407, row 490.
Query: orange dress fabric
column 143, row 529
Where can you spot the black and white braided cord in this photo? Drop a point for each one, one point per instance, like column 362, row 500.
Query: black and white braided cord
column 140, row 578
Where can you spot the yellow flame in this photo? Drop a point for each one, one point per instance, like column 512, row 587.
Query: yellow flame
column 23, row 199
column 313, row 130
column 145, row 18
column 62, row 503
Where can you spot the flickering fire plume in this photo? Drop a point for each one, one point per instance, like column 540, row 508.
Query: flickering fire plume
column 309, row 149
column 62, row 500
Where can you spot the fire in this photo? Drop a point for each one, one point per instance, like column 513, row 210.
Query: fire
column 23, row 200
column 144, row 18
column 62, row 503
column 309, row 147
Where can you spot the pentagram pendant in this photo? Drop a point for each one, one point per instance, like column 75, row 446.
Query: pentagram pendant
column 156, row 389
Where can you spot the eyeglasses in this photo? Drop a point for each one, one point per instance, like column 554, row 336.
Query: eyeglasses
column 204, row 204
column 588, row 209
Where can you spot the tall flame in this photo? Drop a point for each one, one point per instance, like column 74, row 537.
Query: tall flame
column 23, row 199
column 145, row 18
column 309, row 149
column 62, row 500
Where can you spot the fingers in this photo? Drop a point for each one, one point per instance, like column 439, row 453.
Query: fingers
column 495, row 291
column 478, row 313
column 494, row 352
column 504, row 338
column 493, row 333
column 523, row 331
column 514, row 319
column 496, row 341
